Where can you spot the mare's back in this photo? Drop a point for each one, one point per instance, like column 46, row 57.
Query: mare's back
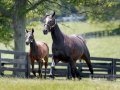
column 77, row 41
column 81, row 44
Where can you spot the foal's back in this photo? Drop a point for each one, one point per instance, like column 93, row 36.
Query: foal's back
column 43, row 49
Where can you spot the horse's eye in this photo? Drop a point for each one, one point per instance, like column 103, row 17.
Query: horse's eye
column 30, row 37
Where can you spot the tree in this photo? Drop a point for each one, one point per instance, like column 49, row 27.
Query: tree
column 102, row 10
column 16, row 10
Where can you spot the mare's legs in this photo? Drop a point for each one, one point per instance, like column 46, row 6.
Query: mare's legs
column 52, row 69
column 33, row 71
column 74, row 70
column 87, row 59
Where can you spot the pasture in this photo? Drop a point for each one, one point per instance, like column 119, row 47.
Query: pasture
column 98, row 47
column 104, row 47
column 38, row 84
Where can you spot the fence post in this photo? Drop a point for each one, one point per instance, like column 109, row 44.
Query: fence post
column 113, row 69
column 27, row 67
column 68, row 71
column 110, row 70
column 2, row 71
column 80, row 69
column 0, row 64
column 20, row 63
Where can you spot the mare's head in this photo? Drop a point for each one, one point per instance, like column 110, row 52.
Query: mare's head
column 29, row 37
column 49, row 23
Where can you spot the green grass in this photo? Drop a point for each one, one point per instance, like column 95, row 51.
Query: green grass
column 38, row 84
column 100, row 47
column 104, row 47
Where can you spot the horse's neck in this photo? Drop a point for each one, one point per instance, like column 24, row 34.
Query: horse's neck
column 33, row 47
column 57, row 35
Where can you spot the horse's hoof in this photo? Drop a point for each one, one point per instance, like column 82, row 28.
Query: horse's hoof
column 79, row 78
column 44, row 77
column 51, row 76
column 34, row 73
column 40, row 76
column 91, row 76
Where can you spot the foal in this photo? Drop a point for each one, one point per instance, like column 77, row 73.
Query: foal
column 39, row 51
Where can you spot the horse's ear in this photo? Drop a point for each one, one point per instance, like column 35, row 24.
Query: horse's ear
column 53, row 14
column 32, row 30
column 26, row 31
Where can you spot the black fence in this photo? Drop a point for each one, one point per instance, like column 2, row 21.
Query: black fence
column 102, row 33
column 103, row 67
column 9, row 62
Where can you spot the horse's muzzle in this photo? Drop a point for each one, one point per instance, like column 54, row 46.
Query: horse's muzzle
column 45, row 32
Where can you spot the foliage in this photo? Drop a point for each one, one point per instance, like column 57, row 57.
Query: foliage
column 102, row 10
column 6, row 33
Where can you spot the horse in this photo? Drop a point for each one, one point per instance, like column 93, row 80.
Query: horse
column 66, row 48
column 39, row 51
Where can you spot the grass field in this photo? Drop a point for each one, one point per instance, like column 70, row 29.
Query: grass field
column 37, row 84
column 98, row 47
column 104, row 47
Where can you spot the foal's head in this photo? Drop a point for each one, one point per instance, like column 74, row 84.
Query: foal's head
column 29, row 37
column 49, row 23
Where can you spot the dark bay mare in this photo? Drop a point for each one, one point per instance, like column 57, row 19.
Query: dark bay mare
column 39, row 51
column 65, row 48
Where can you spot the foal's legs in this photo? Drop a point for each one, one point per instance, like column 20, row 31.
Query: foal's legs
column 33, row 71
column 40, row 63
column 46, row 64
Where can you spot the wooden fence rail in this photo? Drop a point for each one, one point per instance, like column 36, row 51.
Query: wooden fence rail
column 103, row 67
column 102, row 33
